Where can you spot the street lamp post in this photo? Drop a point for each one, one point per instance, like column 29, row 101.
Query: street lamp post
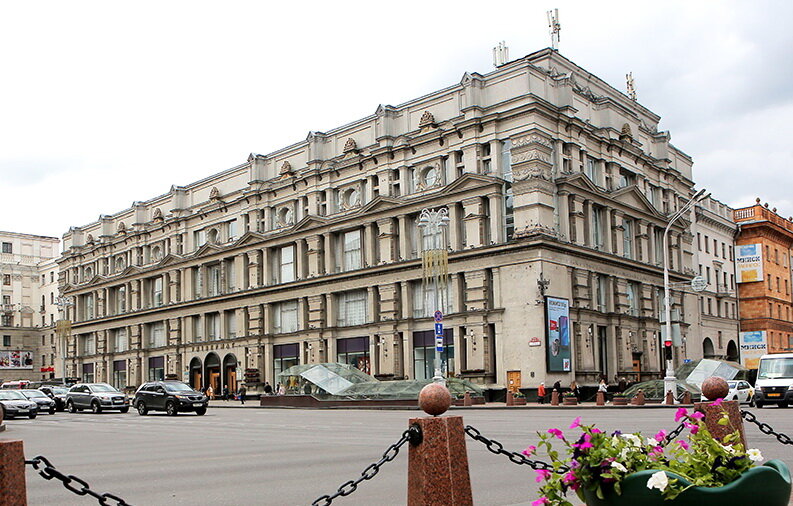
column 434, row 260
column 64, row 328
column 669, row 379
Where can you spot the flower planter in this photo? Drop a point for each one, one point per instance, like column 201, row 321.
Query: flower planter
column 620, row 401
column 569, row 401
column 767, row 485
column 519, row 401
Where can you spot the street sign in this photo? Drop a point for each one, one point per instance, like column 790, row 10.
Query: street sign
column 699, row 283
column 438, row 316
column 535, row 341
column 438, row 328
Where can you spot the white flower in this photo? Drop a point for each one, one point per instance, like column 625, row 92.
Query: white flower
column 728, row 448
column 616, row 465
column 754, row 455
column 658, row 480
column 633, row 438
column 624, row 454
column 652, row 441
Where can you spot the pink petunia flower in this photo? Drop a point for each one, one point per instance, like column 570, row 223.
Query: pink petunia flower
column 660, row 436
column 542, row 474
column 540, row 501
column 717, row 402
column 576, row 423
column 681, row 413
column 683, row 445
column 529, row 451
column 596, row 431
column 698, row 415
column 692, row 426
column 556, row 432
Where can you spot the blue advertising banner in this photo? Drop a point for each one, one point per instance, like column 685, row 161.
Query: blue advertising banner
column 557, row 328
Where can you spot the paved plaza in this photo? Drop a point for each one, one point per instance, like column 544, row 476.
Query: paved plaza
column 292, row 456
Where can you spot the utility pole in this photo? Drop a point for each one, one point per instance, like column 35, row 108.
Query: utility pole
column 64, row 329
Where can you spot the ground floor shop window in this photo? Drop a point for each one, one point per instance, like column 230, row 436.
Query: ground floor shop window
column 284, row 357
column 424, row 354
column 88, row 373
column 156, row 368
column 355, row 352
column 120, row 374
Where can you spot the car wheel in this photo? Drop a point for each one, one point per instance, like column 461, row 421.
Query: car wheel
column 124, row 410
column 52, row 411
column 142, row 409
column 32, row 416
column 200, row 411
column 171, row 409
column 96, row 408
column 70, row 407
column 782, row 404
column 758, row 404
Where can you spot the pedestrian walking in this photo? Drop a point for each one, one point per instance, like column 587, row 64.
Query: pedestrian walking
column 281, row 389
column 541, row 394
column 226, row 393
column 576, row 391
column 622, row 385
column 210, row 392
column 558, row 386
column 603, row 387
column 241, row 393
column 268, row 390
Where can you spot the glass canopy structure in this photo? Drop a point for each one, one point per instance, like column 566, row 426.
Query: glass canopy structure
column 345, row 382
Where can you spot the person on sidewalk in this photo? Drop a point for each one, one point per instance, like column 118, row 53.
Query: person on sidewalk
column 226, row 393
column 268, row 390
column 603, row 387
column 241, row 393
column 541, row 394
column 576, row 391
column 210, row 393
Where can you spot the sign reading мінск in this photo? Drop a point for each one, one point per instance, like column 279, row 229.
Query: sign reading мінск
column 749, row 262
column 753, row 345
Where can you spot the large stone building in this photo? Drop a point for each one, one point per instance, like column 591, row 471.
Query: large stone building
column 718, row 303
column 765, row 250
column 29, row 288
column 558, row 188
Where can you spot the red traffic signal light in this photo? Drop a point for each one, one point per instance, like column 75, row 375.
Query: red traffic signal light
column 668, row 344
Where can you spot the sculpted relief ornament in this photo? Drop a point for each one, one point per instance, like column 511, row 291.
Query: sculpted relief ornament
column 531, row 158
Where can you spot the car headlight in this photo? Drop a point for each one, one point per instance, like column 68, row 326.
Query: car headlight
column 790, row 387
column 182, row 397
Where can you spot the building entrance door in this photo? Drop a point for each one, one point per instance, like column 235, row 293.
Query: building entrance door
column 197, row 381
column 513, row 381
column 214, row 380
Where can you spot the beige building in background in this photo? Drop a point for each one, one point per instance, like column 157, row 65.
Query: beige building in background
column 29, row 289
column 557, row 185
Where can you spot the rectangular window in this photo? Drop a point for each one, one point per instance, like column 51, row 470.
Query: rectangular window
column 355, row 352
column 198, row 329
column 88, row 373
column 198, row 282
column 633, row 298
column 6, row 340
column 232, row 230
column 597, row 228
column 600, row 293
column 156, row 291
column 425, row 303
column 285, row 317
column 156, row 368
column 8, row 247
column 231, row 324
column 351, row 250
column 120, row 374
column 230, row 276
column 351, row 308
column 707, row 245
column 590, row 169
column 424, row 354
column 213, row 280
column 699, row 241
column 88, row 344
column 120, row 340
column 88, row 300
column 286, row 267
column 284, row 357
column 7, row 279
column 121, row 299
column 213, row 326
column 659, row 246
column 156, row 334
column 199, row 239
column 627, row 238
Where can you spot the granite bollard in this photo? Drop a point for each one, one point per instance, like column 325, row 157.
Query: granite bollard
column 13, row 491
column 716, row 388
column 554, row 398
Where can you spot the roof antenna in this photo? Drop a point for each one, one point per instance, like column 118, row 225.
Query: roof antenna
column 500, row 54
column 630, row 86
column 555, row 28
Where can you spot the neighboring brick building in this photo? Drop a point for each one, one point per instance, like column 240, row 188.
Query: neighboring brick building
column 764, row 284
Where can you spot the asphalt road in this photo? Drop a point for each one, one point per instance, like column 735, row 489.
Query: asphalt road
column 281, row 456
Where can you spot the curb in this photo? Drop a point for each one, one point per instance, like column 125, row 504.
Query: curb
column 468, row 408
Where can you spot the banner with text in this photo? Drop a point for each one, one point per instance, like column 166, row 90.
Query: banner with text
column 753, row 346
column 16, row 359
column 749, row 262
column 557, row 320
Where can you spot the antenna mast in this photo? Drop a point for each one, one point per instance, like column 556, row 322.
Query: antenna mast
column 500, row 54
column 555, row 27
column 630, row 86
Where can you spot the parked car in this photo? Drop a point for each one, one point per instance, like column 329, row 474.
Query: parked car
column 774, row 380
column 15, row 385
column 97, row 397
column 15, row 404
column 740, row 391
column 43, row 401
column 172, row 397
column 57, row 394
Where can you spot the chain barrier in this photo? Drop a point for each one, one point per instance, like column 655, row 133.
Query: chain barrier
column 48, row 472
column 516, row 458
column 413, row 434
column 673, row 435
column 766, row 429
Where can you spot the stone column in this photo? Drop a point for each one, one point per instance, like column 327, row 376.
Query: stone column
column 495, row 158
column 455, row 242
column 496, row 211
column 471, row 158
column 312, row 256
column 369, row 239
column 254, row 268
column 618, row 232
column 564, row 215
column 330, row 257
column 239, row 272
column 371, row 304
column 404, row 248
column 300, row 259
column 385, row 229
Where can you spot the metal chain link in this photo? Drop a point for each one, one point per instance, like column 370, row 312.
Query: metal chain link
column 48, row 472
column 673, row 435
column 516, row 458
column 766, row 429
column 348, row 487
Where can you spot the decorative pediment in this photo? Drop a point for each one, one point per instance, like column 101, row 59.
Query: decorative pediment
column 157, row 215
column 286, row 169
column 583, row 181
column 631, row 197
column 427, row 121
column 169, row 259
column 379, row 203
column 214, row 193
column 308, row 222
column 249, row 238
column 350, row 147
column 129, row 270
column 206, row 249
column 470, row 181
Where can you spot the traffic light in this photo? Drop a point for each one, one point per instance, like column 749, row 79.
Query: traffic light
column 668, row 350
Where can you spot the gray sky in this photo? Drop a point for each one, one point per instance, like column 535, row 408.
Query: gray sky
column 105, row 103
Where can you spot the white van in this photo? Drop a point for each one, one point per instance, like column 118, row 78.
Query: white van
column 774, row 380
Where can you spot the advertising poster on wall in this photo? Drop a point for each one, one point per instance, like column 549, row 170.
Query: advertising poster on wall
column 557, row 328
column 749, row 262
column 753, row 346
column 16, row 359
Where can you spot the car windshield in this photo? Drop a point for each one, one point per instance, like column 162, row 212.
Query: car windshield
column 30, row 394
column 11, row 395
column 177, row 387
column 732, row 384
column 59, row 391
column 773, row 368
column 101, row 387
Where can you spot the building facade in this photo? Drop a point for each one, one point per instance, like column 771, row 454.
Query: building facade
column 29, row 288
column 558, row 189
column 718, row 304
column 763, row 275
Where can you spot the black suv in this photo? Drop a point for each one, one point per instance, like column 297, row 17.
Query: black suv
column 57, row 394
column 169, row 396
column 95, row 396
